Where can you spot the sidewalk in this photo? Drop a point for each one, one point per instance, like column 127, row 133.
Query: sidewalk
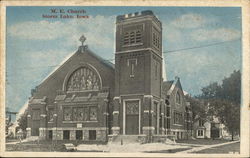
column 207, row 147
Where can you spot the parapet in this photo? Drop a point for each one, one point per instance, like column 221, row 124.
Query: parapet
column 121, row 18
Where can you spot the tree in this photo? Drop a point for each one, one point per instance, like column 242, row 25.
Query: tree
column 224, row 101
column 22, row 121
column 197, row 106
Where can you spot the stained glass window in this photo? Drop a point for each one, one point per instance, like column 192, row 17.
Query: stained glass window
column 51, row 113
column 93, row 114
column 83, row 79
column 75, row 113
column 178, row 118
column 82, row 114
column 36, row 114
column 67, row 114
column 132, row 107
column 178, row 98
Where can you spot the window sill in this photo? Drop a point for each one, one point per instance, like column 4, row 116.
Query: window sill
column 136, row 44
column 177, row 125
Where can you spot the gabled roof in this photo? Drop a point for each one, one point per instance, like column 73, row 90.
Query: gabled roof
column 168, row 86
column 82, row 49
column 104, row 61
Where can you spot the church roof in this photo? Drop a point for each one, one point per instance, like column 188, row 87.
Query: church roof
column 104, row 61
column 80, row 50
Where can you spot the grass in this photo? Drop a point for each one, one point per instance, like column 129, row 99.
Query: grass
column 225, row 149
column 45, row 145
column 203, row 141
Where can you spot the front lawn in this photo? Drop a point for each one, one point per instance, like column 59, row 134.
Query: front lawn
column 203, row 141
column 45, row 145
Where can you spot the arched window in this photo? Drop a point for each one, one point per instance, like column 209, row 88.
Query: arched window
column 178, row 98
column 83, row 79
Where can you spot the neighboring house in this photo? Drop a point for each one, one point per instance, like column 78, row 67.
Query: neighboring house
column 89, row 98
column 205, row 128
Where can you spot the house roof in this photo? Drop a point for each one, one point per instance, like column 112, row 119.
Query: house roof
column 168, row 86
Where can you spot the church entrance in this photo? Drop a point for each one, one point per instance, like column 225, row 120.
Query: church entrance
column 132, row 117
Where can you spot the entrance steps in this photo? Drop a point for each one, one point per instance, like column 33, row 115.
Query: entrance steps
column 31, row 138
column 125, row 139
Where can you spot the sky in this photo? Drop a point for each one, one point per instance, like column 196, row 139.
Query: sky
column 201, row 45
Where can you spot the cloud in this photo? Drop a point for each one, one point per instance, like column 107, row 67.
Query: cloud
column 95, row 28
column 189, row 21
column 41, row 30
column 220, row 34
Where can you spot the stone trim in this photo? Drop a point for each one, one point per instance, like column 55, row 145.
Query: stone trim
column 148, row 96
column 75, row 128
column 28, row 128
column 115, row 128
column 124, row 114
column 115, row 112
column 29, row 116
column 43, row 115
column 177, row 125
column 148, row 128
column 146, row 111
column 105, row 113
column 116, row 98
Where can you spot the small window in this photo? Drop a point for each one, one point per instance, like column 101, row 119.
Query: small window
column 167, row 102
column 132, row 64
column 200, row 133
column 50, row 134
column 178, row 98
column 66, row 135
column 168, row 123
column 168, row 111
column 156, row 39
column 201, row 123
column 138, row 36
column 156, row 70
column 92, row 134
column 78, row 134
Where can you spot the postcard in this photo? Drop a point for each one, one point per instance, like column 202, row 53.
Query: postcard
column 105, row 78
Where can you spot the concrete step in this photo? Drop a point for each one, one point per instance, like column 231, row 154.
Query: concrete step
column 32, row 138
column 125, row 139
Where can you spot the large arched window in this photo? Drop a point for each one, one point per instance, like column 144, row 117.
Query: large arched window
column 83, row 79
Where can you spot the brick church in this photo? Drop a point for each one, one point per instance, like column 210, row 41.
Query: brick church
column 88, row 98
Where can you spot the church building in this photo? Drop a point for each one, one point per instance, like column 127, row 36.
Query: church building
column 89, row 98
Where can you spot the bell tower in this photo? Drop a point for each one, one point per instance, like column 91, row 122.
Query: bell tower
column 138, row 74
